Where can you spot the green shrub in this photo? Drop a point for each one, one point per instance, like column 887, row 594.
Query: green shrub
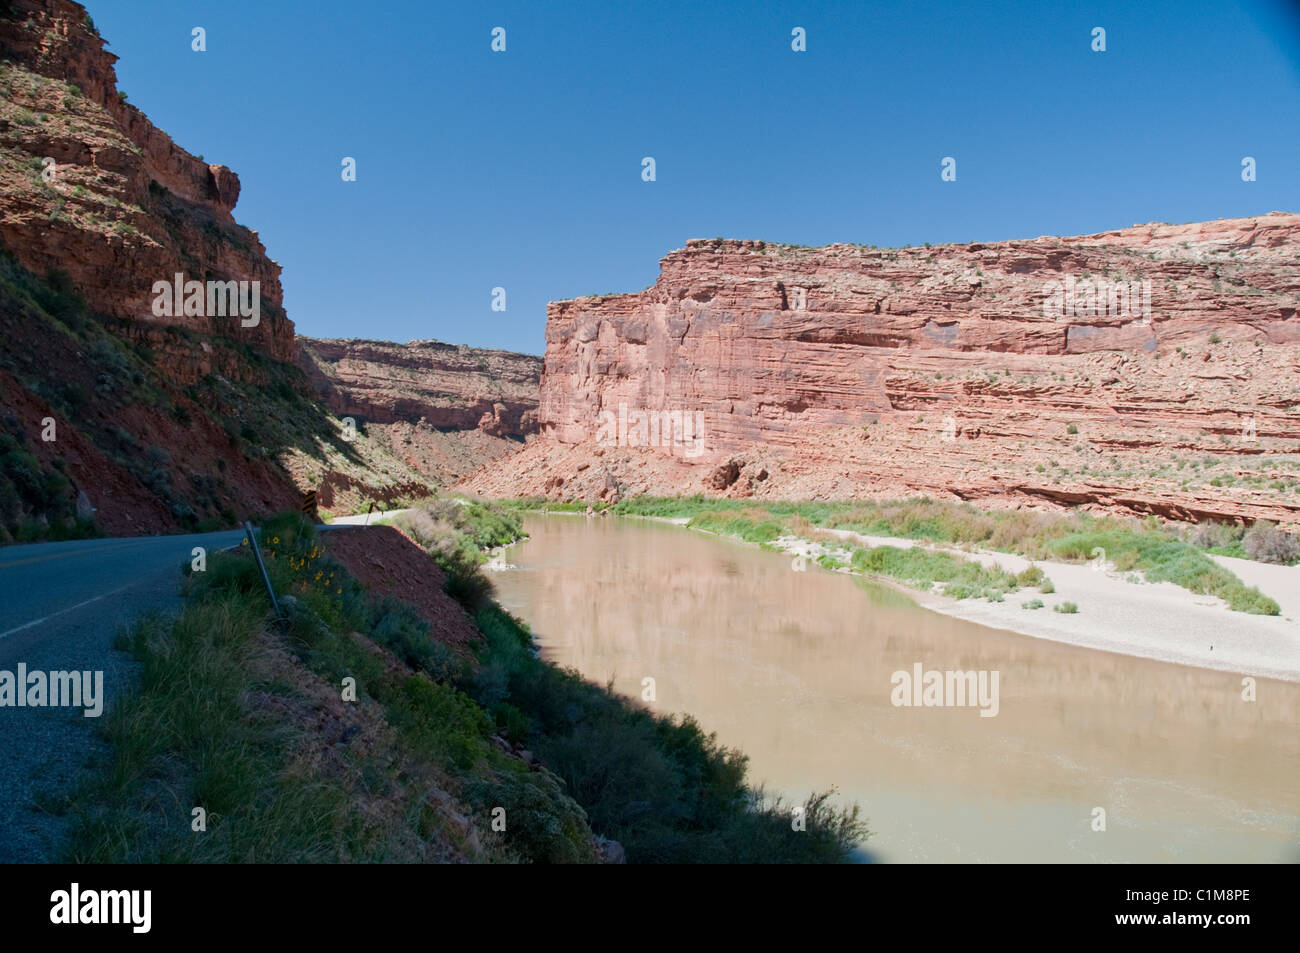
column 1032, row 576
column 441, row 721
column 963, row 579
column 543, row 824
column 399, row 628
column 1164, row 558
column 1216, row 536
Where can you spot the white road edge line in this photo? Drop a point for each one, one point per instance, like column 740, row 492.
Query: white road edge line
column 28, row 625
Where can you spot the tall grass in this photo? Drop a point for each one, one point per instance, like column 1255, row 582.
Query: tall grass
column 961, row 578
column 186, row 738
column 218, row 722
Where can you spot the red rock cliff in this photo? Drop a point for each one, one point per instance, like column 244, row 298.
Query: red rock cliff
column 768, row 339
column 162, row 422
column 963, row 370
column 124, row 205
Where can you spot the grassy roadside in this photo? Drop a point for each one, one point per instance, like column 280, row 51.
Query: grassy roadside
column 1158, row 550
column 252, row 724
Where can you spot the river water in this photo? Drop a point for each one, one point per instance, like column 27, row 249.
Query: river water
column 795, row 669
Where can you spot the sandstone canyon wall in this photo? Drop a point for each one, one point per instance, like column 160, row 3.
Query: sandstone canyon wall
column 965, row 371
column 444, row 409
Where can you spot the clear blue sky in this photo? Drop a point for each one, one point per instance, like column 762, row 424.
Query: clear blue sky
column 523, row 169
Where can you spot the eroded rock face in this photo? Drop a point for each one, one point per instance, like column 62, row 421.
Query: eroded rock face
column 122, row 205
column 768, row 340
column 445, row 409
column 163, row 423
column 446, row 385
column 954, row 370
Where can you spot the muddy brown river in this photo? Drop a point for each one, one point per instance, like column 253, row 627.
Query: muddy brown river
column 797, row 669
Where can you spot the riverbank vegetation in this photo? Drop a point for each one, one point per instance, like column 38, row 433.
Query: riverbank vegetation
column 240, row 741
column 1162, row 552
column 661, row 787
column 458, row 535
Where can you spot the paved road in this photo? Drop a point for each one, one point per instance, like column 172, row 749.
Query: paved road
column 367, row 519
column 60, row 606
column 44, row 582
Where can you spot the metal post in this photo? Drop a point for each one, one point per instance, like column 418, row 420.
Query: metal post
column 257, row 554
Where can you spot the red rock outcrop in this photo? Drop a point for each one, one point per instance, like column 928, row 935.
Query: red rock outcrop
column 958, row 370
column 122, row 206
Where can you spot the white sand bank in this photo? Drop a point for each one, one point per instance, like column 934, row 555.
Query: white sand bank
column 1150, row 620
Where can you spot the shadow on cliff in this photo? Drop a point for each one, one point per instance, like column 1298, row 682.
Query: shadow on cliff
column 135, row 428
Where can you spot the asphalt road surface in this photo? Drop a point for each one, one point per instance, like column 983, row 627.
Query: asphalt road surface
column 60, row 607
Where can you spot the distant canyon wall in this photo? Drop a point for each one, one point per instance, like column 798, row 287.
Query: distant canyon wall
column 1151, row 369
column 444, row 409
column 769, row 340
column 446, row 385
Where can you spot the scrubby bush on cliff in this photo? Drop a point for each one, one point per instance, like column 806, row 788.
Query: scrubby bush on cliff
column 37, row 502
column 59, row 297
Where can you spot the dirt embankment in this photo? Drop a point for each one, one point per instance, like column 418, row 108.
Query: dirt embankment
column 392, row 564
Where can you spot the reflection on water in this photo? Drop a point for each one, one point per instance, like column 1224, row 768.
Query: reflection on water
column 794, row 669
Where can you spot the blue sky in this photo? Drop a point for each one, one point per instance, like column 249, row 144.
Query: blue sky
column 522, row 169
